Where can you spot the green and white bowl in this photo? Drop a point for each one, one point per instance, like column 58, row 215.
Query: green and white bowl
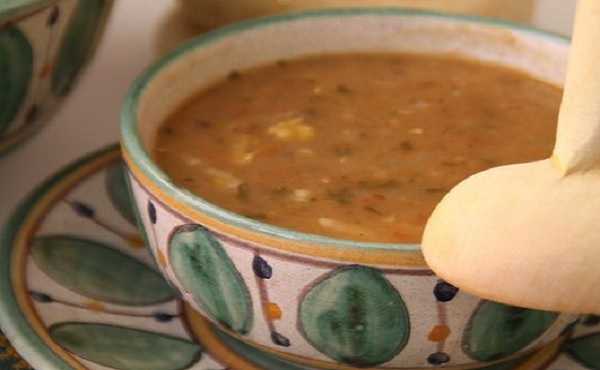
column 316, row 301
column 44, row 44
column 78, row 290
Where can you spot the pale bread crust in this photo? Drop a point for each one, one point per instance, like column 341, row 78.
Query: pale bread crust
column 529, row 234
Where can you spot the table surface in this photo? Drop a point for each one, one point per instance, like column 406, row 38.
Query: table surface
column 90, row 117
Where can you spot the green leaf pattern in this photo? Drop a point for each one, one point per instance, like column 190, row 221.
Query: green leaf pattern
column 98, row 271
column 496, row 331
column 78, row 43
column 124, row 348
column 206, row 271
column 355, row 316
column 586, row 350
column 16, row 70
column 352, row 314
column 117, row 187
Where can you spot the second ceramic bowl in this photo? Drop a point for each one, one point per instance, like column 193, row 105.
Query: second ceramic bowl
column 44, row 44
column 327, row 303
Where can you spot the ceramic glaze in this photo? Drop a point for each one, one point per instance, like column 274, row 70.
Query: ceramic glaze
column 79, row 320
column 43, row 47
column 310, row 299
column 323, row 312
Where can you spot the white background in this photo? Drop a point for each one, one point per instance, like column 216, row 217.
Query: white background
column 90, row 117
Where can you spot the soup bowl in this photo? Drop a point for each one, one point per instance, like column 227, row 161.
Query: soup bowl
column 313, row 300
column 44, row 44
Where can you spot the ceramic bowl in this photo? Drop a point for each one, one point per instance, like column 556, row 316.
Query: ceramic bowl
column 326, row 303
column 44, row 44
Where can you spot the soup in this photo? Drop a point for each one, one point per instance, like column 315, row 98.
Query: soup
column 356, row 146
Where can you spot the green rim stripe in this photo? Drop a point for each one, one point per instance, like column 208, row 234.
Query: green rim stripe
column 131, row 138
column 16, row 327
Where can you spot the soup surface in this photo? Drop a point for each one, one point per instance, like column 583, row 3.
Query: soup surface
column 359, row 146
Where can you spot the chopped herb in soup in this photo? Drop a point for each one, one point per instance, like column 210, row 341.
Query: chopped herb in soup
column 359, row 146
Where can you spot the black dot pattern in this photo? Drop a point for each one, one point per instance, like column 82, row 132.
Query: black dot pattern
column 445, row 292
column 438, row 358
column 41, row 297
column 54, row 16
column 32, row 115
column 279, row 339
column 163, row 317
column 152, row 212
column 83, row 209
column 261, row 268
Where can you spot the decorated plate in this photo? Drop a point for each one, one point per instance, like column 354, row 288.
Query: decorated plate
column 78, row 290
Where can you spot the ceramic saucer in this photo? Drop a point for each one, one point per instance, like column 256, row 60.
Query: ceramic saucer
column 78, row 290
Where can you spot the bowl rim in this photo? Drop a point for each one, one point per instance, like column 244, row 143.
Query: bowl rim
column 132, row 144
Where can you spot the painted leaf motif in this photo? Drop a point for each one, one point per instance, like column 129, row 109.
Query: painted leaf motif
column 206, row 271
column 138, row 218
column 586, row 350
column 355, row 316
column 131, row 201
column 16, row 69
column 118, row 191
column 496, row 331
column 78, row 43
column 98, row 271
column 124, row 348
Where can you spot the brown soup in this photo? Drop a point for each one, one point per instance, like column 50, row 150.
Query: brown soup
column 359, row 146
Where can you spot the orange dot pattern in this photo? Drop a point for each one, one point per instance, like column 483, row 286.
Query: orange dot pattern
column 95, row 306
column 273, row 311
column 46, row 70
column 162, row 259
column 439, row 333
column 135, row 241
